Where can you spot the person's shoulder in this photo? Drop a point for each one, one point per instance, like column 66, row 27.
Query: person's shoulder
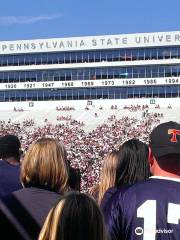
column 151, row 184
column 3, row 162
column 140, row 191
column 9, row 197
column 6, row 165
column 111, row 196
column 125, row 195
column 28, row 193
column 110, row 192
column 108, row 196
column 138, row 187
column 113, row 193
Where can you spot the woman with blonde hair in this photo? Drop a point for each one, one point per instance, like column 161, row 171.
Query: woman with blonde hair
column 45, row 165
column 108, row 174
column 76, row 216
column 44, row 176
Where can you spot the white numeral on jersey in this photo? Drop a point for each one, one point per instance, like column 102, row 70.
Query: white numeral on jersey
column 148, row 211
column 173, row 213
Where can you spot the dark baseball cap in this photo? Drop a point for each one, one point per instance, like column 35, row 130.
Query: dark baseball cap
column 165, row 139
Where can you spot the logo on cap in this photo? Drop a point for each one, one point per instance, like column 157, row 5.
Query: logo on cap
column 174, row 133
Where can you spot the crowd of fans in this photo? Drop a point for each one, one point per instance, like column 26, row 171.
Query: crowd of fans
column 64, row 118
column 134, row 108
column 86, row 151
column 41, row 193
column 67, row 108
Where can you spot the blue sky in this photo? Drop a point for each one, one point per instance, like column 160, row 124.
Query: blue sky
column 23, row 19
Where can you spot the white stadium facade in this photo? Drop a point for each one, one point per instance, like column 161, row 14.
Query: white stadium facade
column 142, row 68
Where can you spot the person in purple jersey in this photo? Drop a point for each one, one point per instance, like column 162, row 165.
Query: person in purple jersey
column 150, row 210
column 9, row 164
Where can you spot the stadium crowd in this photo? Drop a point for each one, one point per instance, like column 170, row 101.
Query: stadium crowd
column 86, row 151
column 134, row 108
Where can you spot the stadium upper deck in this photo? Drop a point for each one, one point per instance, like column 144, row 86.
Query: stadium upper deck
column 145, row 65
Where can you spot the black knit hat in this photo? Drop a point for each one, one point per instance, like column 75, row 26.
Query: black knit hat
column 9, row 146
column 165, row 139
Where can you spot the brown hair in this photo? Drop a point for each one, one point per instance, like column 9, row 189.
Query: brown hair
column 45, row 166
column 76, row 216
column 108, row 173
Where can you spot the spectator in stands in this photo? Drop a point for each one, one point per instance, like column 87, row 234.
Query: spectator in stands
column 10, row 155
column 44, row 175
column 151, row 209
column 108, row 175
column 130, row 167
column 75, row 216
